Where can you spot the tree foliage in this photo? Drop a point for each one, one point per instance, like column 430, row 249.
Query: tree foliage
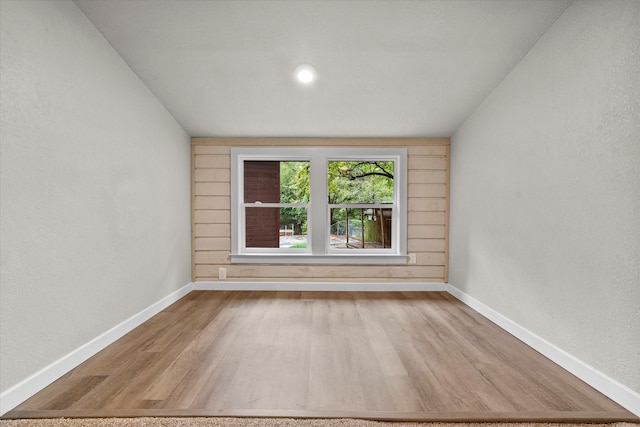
column 360, row 182
column 347, row 182
column 294, row 182
column 294, row 188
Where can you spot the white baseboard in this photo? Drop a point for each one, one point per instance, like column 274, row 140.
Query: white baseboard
column 318, row 286
column 17, row 394
column 617, row 392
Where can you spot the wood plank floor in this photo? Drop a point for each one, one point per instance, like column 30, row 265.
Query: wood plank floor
column 385, row 356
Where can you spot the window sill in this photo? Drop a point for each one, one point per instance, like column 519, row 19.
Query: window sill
column 318, row 259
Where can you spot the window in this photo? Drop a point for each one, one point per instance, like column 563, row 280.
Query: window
column 275, row 205
column 318, row 205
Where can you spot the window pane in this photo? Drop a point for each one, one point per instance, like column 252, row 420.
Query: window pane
column 294, row 182
column 293, row 228
column 276, row 182
column 359, row 228
column 276, row 227
column 261, row 182
column 360, row 182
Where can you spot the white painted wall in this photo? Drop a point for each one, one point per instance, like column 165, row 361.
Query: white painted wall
column 545, row 190
column 94, row 188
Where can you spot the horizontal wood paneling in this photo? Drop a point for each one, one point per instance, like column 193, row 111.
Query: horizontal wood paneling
column 213, row 161
column 211, row 149
column 426, row 231
column 417, row 217
column 428, row 150
column 418, row 145
column 244, row 271
column 427, row 190
column 212, row 244
column 421, row 176
column 431, row 204
column 213, row 230
column 213, row 175
column 428, row 162
column 431, row 258
column 212, row 202
column 211, row 216
column 212, row 189
column 426, row 245
column 211, row 257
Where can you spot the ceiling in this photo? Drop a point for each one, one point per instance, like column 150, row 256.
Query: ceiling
column 385, row 68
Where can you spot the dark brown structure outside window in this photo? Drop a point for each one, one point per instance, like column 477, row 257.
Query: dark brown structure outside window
column 262, row 184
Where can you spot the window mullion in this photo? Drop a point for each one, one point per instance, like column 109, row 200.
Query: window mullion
column 318, row 201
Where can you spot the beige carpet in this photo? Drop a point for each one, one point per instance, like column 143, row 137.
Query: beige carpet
column 264, row 422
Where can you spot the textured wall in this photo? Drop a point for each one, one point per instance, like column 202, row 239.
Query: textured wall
column 94, row 188
column 545, row 190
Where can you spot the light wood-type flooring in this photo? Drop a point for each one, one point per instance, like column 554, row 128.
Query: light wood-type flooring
column 386, row 356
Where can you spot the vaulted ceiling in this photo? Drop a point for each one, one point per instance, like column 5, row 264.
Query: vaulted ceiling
column 385, row 68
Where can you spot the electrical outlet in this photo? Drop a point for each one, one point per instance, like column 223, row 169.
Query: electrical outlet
column 412, row 258
column 222, row 273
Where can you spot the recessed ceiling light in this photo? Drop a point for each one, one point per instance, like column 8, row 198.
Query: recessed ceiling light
column 305, row 73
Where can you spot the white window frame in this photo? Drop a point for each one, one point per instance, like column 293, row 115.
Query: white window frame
column 318, row 245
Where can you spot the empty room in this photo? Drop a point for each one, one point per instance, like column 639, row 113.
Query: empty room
column 319, row 212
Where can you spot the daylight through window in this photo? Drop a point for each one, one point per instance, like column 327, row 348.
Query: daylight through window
column 330, row 204
column 361, row 196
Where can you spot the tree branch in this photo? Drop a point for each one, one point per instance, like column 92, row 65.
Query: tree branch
column 385, row 174
column 349, row 173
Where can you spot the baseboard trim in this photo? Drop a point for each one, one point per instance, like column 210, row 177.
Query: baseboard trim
column 319, row 286
column 17, row 394
column 611, row 388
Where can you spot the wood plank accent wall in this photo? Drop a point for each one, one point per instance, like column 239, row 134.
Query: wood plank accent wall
column 428, row 214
